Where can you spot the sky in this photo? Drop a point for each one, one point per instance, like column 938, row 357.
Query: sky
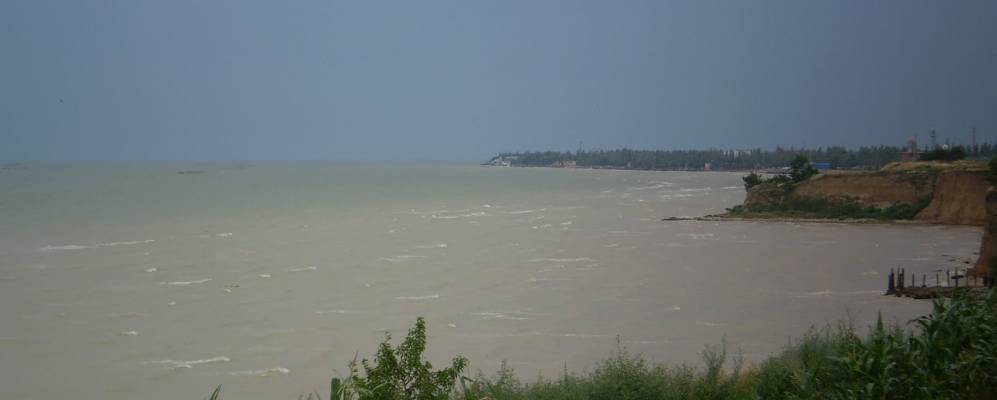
column 463, row 80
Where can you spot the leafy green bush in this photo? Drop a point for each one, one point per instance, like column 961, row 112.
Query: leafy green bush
column 401, row 373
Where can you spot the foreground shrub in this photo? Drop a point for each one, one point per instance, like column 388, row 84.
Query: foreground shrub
column 948, row 354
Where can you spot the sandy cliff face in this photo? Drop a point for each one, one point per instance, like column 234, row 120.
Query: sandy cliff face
column 880, row 189
column 959, row 198
column 956, row 197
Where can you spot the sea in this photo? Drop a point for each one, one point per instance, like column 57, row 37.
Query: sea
column 127, row 280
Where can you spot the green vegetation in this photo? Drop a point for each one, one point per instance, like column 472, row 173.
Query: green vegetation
column 869, row 158
column 800, row 169
column 948, row 354
column 401, row 373
column 955, row 153
column 829, row 208
column 752, row 180
column 992, row 171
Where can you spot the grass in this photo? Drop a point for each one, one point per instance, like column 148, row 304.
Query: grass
column 949, row 354
column 824, row 208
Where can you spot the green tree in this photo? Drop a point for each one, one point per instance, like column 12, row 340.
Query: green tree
column 400, row 373
column 800, row 169
column 751, row 180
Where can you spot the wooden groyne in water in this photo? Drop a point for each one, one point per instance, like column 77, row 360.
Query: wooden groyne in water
column 903, row 284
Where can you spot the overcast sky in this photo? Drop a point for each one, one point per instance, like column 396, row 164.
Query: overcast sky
column 461, row 80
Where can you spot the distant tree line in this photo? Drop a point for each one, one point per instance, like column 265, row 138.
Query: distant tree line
column 867, row 157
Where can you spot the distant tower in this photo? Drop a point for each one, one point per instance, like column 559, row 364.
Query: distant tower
column 934, row 139
column 974, row 138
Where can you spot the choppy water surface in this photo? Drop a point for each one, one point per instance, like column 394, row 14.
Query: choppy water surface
column 123, row 281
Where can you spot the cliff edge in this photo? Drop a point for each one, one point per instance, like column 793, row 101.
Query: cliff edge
column 945, row 194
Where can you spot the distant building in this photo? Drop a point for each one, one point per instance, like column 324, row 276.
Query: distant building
column 822, row 166
column 910, row 153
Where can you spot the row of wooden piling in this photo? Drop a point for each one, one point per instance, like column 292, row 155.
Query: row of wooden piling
column 898, row 285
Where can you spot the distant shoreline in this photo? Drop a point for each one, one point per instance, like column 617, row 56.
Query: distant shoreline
column 628, row 169
column 849, row 221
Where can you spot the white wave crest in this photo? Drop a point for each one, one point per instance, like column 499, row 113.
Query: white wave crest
column 174, row 364
column 262, row 372
column 81, row 247
column 303, row 269
column 186, row 283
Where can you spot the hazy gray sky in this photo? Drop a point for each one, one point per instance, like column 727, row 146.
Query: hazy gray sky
column 445, row 80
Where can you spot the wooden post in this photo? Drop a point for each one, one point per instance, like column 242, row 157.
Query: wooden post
column 948, row 278
column 890, row 286
column 923, row 277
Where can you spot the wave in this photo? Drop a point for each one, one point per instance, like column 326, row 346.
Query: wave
column 708, row 323
column 66, row 247
column 303, row 269
column 265, row 276
column 262, row 372
column 822, row 293
column 186, row 283
column 126, row 243
column 521, row 212
column 173, row 364
column 321, row 312
column 507, row 315
column 578, row 335
column 81, row 247
column 469, row 215
column 427, row 297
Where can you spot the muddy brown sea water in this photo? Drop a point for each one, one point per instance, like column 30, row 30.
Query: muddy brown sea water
column 123, row 281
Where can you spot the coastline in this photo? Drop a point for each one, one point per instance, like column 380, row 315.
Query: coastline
column 848, row 221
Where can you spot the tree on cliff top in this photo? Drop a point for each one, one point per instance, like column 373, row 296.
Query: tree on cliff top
column 800, row 169
column 751, row 180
